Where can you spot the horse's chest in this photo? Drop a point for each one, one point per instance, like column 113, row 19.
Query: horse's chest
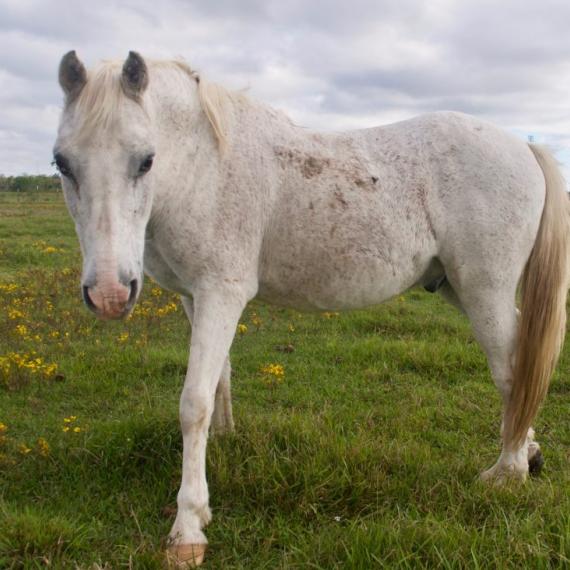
column 157, row 266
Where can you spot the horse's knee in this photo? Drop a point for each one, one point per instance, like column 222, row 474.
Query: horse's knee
column 195, row 409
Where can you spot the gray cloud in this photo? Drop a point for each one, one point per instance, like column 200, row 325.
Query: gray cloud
column 330, row 65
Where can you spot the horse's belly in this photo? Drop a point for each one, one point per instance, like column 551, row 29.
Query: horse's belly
column 339, row 282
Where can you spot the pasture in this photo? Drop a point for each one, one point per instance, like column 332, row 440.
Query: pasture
column 359, row 437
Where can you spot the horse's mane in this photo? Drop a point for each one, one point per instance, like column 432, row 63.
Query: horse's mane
column 98, row 103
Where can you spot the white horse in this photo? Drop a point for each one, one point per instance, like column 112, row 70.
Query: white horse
column 221, row 199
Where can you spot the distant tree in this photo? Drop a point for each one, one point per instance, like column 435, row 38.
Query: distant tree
column 29, row 183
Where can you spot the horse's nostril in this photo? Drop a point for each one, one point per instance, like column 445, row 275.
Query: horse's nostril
column 87, row 299
column 133, row 293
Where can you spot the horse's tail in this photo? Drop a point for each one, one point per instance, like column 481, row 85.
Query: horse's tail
column 544, row 286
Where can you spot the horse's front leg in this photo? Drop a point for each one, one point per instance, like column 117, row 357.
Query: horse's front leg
column 222, row 418
column 216, row 314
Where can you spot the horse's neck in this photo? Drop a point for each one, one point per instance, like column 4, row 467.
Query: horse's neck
column 185, row 140
column 256, row 134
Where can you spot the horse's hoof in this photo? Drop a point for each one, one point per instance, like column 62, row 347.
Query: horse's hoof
column 186, row 555
column 500, row 475
column 535, row 464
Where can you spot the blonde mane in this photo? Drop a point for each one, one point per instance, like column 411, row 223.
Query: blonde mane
column 98, row 103
column 214, row 99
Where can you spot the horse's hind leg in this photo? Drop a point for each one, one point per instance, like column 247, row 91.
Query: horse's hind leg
column 222, row 417
column 494, row 318
column 447, row 292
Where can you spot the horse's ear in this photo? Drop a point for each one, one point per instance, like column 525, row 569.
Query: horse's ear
column 134, row 78
column 72, row 75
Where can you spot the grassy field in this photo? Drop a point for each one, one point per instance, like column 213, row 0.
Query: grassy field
column 365, row 454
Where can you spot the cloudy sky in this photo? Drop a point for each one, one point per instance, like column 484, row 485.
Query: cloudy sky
column 329, row 64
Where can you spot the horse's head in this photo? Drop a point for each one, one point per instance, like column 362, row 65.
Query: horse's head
column 104, row 152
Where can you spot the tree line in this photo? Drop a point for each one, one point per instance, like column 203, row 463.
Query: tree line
column 28, row 183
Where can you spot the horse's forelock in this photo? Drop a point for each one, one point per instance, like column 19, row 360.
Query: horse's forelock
column 98, row 104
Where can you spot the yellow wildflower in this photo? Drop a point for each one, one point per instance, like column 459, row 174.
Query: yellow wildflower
column 156, row 291
column 43, row 447
column 123, row 337
column 49, row 370
column 142, row 309
column 25, row 361
column 14, row 314
column 242, row 329
column 168, row 308
column 3, row 427
column 24, row 449
column 77, row 429
column 273, row 374
column 22, row 330
column 65, row 428
column 276, row 370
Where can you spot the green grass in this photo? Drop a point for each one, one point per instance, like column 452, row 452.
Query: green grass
column 366, row 455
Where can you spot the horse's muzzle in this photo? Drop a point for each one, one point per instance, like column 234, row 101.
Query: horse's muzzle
column 111, row 301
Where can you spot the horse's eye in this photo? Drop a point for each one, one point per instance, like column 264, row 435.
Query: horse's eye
column 146, row 164
column 62, row 165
